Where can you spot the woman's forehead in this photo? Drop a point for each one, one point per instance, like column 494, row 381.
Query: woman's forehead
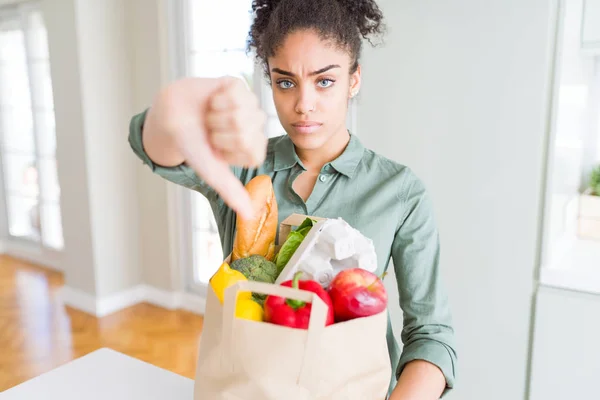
column 309, row 52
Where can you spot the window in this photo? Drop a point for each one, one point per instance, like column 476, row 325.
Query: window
column 568, row 258
column 27, row 129
column 212, row 43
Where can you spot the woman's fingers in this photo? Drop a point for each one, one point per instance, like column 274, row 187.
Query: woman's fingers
column 235, row 125
column 234, row 93
column 217, row 174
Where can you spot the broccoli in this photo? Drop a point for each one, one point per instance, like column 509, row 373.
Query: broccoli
column 257, row 268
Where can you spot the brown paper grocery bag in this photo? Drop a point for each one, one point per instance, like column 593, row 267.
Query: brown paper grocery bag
column 248, row 360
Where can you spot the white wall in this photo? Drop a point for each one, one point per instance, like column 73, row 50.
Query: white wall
column 108, row 59
column 92, row 79
column 107, row 106
column 459, row 93
column 150, row 70
column 78, row 258
column 566, row 347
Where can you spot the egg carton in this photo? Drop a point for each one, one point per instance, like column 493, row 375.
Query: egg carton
column 331, row 246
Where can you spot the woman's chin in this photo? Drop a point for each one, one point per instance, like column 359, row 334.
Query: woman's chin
column 307, row 141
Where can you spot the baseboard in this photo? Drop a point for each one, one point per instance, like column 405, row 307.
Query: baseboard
column 192, row 303
column 32, row 253
column 160, row 297
column 139, row 294
column 174, row 300
column 119, row 301
column 79, row 299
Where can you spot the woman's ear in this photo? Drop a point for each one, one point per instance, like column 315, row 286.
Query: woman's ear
column 355, row 80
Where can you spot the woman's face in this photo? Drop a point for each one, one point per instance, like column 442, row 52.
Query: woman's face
column 311, row 85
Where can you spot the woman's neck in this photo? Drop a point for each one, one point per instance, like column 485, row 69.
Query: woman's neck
column 315, row 159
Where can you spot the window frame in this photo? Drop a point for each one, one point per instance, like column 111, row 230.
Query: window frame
column 554, row 252
column 37, row 251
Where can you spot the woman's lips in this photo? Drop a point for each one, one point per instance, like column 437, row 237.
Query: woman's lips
column 306, row 126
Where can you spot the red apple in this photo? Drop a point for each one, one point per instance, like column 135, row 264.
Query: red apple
column 357, row 293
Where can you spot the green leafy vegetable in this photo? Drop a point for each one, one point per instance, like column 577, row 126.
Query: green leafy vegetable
column 292, row 243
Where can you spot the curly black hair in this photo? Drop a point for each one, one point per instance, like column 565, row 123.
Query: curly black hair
column 344, row 22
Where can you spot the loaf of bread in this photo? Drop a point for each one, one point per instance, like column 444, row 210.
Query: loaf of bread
column 257, row 235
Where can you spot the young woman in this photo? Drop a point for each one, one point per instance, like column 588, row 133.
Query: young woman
column 207, row 135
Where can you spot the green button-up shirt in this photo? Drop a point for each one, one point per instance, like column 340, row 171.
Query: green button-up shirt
column 385, row 201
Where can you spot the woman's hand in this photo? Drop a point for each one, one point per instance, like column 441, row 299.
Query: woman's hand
column 210, row 124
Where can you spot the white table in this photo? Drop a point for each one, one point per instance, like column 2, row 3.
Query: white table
column 104, row 375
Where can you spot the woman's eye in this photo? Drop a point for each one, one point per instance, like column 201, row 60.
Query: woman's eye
column 285, row 84
column 326, row 82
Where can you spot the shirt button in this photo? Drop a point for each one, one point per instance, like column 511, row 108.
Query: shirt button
column 323, row 178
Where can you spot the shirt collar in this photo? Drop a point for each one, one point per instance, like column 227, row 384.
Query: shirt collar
column 347, row 162
column 285, row 156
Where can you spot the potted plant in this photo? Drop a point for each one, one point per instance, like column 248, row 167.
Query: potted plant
column 589, row 208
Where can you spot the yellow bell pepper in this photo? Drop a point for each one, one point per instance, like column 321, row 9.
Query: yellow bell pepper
column 249, row 309
column 225, row 277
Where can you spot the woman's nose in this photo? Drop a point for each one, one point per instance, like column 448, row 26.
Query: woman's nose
column 306, row 101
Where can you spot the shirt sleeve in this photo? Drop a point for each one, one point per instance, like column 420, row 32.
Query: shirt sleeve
column 181, row 175
column 427, row 332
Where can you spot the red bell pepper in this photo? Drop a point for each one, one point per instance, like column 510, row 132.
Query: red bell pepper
column 296, row 313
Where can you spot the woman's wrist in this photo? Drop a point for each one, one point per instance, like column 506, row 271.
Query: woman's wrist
column 420, row 380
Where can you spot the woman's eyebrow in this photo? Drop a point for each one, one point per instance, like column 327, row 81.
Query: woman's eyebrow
column 317, row 72
column 325, row 69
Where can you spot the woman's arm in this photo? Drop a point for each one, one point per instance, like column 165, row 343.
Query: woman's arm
column 426, row 370
column 420, row 380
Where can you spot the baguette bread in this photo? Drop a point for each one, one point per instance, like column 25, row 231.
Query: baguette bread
column 257, row 235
